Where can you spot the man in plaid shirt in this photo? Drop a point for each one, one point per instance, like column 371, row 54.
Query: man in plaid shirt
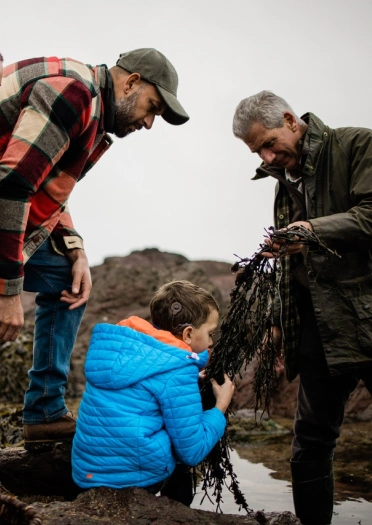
column 55, row 116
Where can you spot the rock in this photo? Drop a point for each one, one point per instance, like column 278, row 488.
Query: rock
column 14, row 511
column 46, row 473
column 131, row 506
column 16, row 360
column 137, row 506
column 10, row 426
column 245, row 428
column 42, row 484
column 283, row 400
column 123, row 286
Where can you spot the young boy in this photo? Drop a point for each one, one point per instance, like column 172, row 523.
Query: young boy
column 141, row 413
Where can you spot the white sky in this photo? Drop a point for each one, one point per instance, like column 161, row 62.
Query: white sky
column 187, row 189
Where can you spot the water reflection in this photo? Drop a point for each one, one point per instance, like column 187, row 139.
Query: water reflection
column 263, row 492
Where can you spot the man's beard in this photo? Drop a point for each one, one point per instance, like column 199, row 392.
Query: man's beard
column 124, row 114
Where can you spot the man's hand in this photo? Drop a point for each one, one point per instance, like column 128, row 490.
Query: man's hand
column 11, row 317
column 81, row 280
column 290, row 248
column 223, row 393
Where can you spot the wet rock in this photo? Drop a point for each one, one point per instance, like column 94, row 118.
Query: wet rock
column 123, row 286
column 44, row 482
column 244, row 427
column 137, row 506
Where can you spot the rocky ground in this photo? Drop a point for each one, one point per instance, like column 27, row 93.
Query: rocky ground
column 123, row 286
column 38, row 487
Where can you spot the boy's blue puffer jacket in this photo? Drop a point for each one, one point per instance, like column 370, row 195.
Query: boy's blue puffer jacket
column 141, row 411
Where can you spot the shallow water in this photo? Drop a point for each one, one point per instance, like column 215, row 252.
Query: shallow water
column 263, row 492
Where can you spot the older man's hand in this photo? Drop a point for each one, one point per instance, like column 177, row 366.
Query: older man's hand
column 283, row 248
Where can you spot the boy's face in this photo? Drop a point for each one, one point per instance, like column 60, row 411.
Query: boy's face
column 201, row 338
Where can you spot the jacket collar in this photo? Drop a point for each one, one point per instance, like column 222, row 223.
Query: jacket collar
column 141, row 325
column 314, row 140
column 106, row 84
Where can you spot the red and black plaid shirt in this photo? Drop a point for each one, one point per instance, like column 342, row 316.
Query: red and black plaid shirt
column 51, row 134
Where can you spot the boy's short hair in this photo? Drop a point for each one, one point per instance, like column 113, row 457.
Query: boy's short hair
column 180, row 303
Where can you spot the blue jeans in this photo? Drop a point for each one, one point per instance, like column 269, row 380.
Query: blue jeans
column 56, row 328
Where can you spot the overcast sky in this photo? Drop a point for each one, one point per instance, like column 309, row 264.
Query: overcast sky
column 187, row 189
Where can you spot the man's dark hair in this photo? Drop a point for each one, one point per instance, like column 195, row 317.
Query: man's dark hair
column 1, row 58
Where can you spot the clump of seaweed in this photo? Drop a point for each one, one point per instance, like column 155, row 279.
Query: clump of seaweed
column 246, row 333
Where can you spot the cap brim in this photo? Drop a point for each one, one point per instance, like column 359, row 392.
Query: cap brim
column 174, row 112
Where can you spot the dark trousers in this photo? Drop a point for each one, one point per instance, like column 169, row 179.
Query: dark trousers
column 179, row 486
column 321, row 397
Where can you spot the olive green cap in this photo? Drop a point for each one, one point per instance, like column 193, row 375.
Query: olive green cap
column 154, row 67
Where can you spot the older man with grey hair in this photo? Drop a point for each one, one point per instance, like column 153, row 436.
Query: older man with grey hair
column 325, row 315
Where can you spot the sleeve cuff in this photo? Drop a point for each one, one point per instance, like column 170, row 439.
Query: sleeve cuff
column 11, row 286
column 73, row 241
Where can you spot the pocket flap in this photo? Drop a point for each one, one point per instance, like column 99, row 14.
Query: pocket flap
column 363, row 306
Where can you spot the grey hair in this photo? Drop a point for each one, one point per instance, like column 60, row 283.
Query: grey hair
column 264, row 107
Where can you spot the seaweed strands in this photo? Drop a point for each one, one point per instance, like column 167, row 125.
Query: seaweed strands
column 246, row 333
column 13, row 511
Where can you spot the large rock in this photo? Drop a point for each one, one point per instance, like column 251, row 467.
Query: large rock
column 137, row 506
column 123, row 286
column 43, row 489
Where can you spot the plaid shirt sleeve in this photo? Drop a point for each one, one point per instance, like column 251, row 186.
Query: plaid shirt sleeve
column 55, row 112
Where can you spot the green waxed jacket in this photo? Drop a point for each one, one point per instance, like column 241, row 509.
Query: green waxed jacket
column 337, row 182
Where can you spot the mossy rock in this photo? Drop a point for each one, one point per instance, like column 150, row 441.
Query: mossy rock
column 16, row 360
column 246, row 430
column 11, row 428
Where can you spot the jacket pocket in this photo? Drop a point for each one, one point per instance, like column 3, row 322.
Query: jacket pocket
column 363, row 308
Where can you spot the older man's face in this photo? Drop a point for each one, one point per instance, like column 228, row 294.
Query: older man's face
column 278, row 146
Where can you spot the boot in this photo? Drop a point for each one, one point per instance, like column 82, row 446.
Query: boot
column 312, row 488
column 47, row 434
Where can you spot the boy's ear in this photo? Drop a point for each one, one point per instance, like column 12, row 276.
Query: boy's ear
column 186, row 334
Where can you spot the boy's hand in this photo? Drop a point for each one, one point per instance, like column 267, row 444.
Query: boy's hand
column 223, row 393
